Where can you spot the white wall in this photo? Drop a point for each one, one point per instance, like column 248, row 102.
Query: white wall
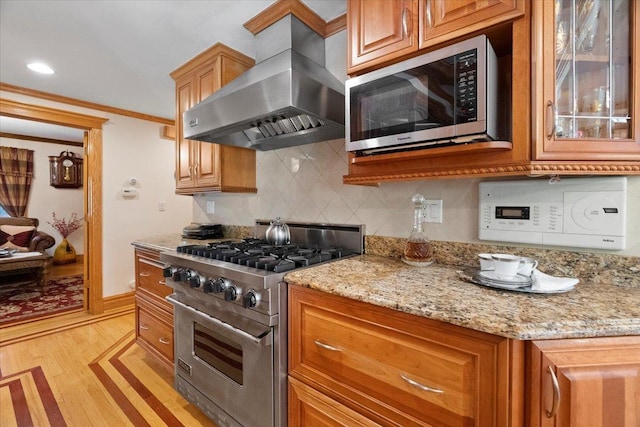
column 131, row 148
column 45, row 199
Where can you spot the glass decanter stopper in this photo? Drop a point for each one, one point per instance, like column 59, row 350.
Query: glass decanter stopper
column 418, row 250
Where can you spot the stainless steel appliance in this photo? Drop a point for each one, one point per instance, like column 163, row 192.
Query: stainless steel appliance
column 288, row 98
column 446, row 96
column 230, row 318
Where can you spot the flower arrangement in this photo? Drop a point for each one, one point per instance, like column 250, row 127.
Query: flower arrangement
column 65, row 227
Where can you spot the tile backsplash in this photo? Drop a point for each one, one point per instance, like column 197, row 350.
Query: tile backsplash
column 304, row 183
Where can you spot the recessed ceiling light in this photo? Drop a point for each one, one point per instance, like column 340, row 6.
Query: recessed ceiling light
column 39, row 67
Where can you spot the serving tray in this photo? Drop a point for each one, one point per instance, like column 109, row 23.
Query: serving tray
column 473, row 277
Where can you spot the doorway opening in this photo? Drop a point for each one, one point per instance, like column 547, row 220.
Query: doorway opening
column 92, row 188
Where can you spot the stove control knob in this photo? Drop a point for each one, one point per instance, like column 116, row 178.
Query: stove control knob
column 183, row 275
column 220, row 285
column 208, row 286
column 168, row 271
column 196, row 281
column 250, row 299
column 231, row 293
column 178, row 274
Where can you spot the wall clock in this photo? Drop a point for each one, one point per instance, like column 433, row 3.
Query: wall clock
column 65, row 170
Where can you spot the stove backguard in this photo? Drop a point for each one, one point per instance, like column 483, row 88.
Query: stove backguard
column 346, row 236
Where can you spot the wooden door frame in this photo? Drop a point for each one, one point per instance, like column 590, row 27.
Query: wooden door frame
column 92, row 189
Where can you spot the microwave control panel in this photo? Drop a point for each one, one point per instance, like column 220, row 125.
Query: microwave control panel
column 572, row 212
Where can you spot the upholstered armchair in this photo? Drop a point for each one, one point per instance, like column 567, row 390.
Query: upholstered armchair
column 23, row 234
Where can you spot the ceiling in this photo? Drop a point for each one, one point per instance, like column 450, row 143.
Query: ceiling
column 120, row 53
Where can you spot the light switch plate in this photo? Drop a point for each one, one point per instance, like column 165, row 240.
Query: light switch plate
column 432, row 211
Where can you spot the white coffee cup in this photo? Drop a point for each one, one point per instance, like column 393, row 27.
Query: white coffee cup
column 486, row 262
column 506, row 266
column 527, row 265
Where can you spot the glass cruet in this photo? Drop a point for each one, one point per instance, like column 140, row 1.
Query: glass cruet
column 418, row 250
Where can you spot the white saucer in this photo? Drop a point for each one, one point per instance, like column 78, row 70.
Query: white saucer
column 518, row 279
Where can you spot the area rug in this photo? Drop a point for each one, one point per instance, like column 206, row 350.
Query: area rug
column 28, row 301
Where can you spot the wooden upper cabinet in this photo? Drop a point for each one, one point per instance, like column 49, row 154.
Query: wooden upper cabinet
column 443, row 20
column 380, row 31
column 184, row 98
column 203, row 166
column 585, row 382
column 587, row 100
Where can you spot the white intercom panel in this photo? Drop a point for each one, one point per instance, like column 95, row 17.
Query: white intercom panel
column 580, row 212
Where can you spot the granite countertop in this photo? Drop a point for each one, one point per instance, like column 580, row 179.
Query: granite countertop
column 606, row 302
column 165, row 242
column 437, row 292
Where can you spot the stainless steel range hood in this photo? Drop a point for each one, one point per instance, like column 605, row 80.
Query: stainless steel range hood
column 288, row 98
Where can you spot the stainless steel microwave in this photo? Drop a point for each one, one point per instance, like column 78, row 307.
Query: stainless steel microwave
column 446, row 96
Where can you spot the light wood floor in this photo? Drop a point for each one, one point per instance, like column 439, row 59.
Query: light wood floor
column 61, row 270
column 87, row 373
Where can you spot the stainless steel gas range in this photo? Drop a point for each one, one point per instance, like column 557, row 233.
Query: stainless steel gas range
column 230, row 318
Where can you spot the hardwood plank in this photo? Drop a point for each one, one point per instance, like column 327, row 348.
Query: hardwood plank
column 90, row 372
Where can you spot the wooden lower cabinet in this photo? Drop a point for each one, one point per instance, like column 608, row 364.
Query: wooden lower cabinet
column 309, row 407
column 394, row 369
column 154, row 315
column 585, row 382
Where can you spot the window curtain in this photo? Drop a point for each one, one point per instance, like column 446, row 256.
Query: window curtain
column 16, row 173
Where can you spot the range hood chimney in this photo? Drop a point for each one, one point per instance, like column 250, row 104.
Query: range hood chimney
column 288, row 98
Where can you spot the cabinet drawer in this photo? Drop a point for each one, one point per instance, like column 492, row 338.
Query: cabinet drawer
column 431, row 372
column 155, row 332
column 309, row 408
column 150, row 279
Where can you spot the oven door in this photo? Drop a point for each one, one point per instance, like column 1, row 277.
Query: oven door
column 230, row 367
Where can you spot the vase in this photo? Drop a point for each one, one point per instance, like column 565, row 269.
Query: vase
column 64, row 253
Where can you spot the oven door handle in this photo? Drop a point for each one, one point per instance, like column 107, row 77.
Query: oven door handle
column 261, row 341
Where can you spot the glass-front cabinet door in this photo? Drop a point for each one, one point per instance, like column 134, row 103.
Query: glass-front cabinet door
column 590, row 81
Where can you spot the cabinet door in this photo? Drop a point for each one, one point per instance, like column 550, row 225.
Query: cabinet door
column 589, row 382
column 443, row 20
column 205, row 154
column 380, row 31
column 589, row 101
column 184, row 100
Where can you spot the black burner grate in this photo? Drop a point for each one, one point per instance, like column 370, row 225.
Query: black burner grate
column 258, row 253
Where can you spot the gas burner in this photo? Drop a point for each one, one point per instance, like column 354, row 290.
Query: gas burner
column 258, row 253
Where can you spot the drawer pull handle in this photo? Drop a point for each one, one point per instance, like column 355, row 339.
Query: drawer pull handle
column 164, row 341
column 405, row 24
column 144, row 274
column 162, row 282
column 556, row 394
column 326, row 346
column 143, row 327
column 429, row 15
column 420, row 386
column 550, row 122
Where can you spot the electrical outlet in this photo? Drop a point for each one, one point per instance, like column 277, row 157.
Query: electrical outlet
column 211, row 207
column 432, row 211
